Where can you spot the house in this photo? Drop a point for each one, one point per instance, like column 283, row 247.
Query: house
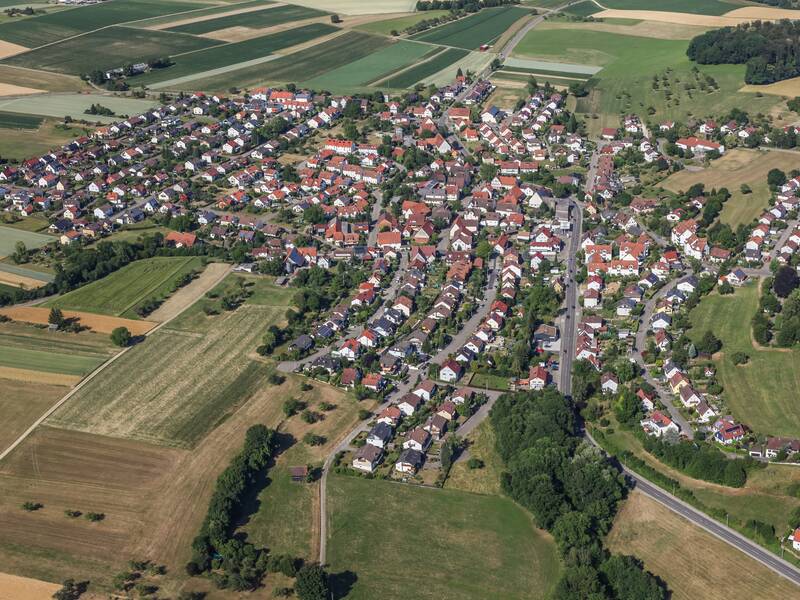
column 795, row 539
column 410, row 461
column 379, row 435
column 418, row 439
column 658, row 424
column 391, row 415
column 436, row 426
column 451, row 371
column 409, row 403
column 425, row 390
column 538, row 377
column 180, row 240
column 367, row 458
column 609, row 383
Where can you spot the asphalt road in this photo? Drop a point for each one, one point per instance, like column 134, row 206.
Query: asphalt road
column 570, row 297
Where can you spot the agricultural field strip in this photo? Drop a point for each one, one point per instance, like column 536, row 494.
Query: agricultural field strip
column 23, row 272
column 425, row 69
column 268, row 17
column 524, row 63
column 469, row 33
column 9, row 120
column 200, row 13
column 542, row 72
column 212, row 72
column 10, row 236
column 19, row 357
column 472, row 61
column 215, row 60
column 433, row 53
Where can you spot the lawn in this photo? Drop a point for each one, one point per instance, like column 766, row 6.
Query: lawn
column 309, row 62
column 409, row 77
column 119, row 293
column 269, row 17
column 121, row 45
column 231, row 54
column 762, row 393
column 473, row 31
column 690, row 560
column 55, row 26
column 489, row 381
column 630, row 64
column 737, row 167
column 19, row 121
column 696, row 7
column 9, row 236
column 398, row 24
column 408, row 541
column 372, row 67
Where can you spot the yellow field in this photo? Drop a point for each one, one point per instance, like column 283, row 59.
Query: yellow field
column 787, row 87
column 691, row 561
column 735, row 17
column 731, row 171
column 23, row 588
column 98, row 323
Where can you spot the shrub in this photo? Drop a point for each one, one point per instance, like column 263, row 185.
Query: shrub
column 95, row 517
column 475, row 463
column 72, row 514
column 32, row 506
column 292, row 406
column 739, row 358
column 276, row 379
column 312, row 439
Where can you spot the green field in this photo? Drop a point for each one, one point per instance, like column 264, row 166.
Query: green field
column 545, row 72
column 398, row 24
column 55, row 26
column 9, row 236
column 762, row 393
column 119, row 293
column 19, row 121
column 583, row 9
column 121, row 45
column 697, row 7
column 201, row 12
column 178, row 384
column 231, row 54
column 372, row 67
column 310, row 62
column 473, row 31
column 408, row 541
column 62, row 105
column 257, row 19
column 408, row 78
column 629, row 65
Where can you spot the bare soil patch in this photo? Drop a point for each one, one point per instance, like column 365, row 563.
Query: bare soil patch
column 8, row 49
column 98, row 323
column 189, row 294
column 23, row 588
column 690, row 560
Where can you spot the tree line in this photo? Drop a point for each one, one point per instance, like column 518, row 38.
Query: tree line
column 572, row 491
column 771, row 50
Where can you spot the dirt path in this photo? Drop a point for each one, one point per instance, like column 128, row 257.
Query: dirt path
column 23, row 588
column 188, row 295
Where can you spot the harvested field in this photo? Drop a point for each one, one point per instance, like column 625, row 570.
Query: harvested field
column 97, row 323
column 140, row 397
column 22, row 402
column 733, row 18
column 20, row 281
column 8, row 49
column 189, row 294
column 123, row 291
column 39, row 80
column 654, row 29
column 763, row 13
column 787, row 87
column 258, row 19
column 9, row 89
column 24, row 588
column 690, row 560
column 30, row 376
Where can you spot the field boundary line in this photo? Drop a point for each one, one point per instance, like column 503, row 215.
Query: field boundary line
column 89, row 377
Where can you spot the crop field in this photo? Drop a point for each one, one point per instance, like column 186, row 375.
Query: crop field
column 386, row 26
column 200, row 13
column 761, row 393
column 121, row 45
column 231, row 54
column 359, row 7
column 473, row 61
column 583, row 9
column 21, row 403
column 697, row 7
column 19, row 121
column 311, row 62
column 59, row 25
column 411, row 76
column 630, row 64
column 372, row 67
column 456, row 544
column 139, row 396
column 74, row 105
column 475, row 30
column 737, row 167
column 269, row 17
column 690, row 560
column 10, row 236
column 121, row 292
column 39, row 80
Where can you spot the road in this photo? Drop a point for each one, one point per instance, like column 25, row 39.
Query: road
column 570, row 297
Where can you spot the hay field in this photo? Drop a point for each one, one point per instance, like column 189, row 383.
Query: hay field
column 22, row 402
column 23, row 588
column 98, row 323
column 40, row 80
column 736, row 167
column 121, row 292
column 177, row 385
column 690, row 560
column 787, row 87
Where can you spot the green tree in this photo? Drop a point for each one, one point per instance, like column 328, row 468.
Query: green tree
column 56, row 317
column 121, row 336
column 311, row 583
column 20, row 254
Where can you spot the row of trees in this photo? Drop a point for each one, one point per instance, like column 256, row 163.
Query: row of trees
column 700, row 461
column 572, row 491
column 771, row 50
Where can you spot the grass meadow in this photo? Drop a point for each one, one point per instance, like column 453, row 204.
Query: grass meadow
column 630, row 64
column 269, row 17
column 119, row 293
column 403, row 540
column 230, row 54
column 473, row 31
column 762, row 393
column 9, row 237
